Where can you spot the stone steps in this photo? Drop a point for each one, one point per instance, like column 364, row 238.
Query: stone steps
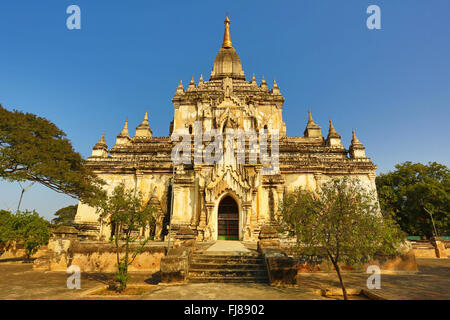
column 198, row 273
column 233, row 267
column 230, row 261
column 228, row 280
column 228, row 266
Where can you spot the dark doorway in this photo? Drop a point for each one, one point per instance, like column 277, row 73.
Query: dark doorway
column 228, row 216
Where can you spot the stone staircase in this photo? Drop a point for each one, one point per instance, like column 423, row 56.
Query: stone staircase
column 227, row 267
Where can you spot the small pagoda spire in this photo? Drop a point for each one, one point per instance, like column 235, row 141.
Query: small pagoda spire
column 123, row 137
column 275, row 88
column 357, row 149
column 143, row 130
column 312, row 130
column 263, row 82
column 332, row 132
column 100, row 148
column 102, row 141
column 200, row 81
column 333, row 138
column 310, row 119
column 124, row 132
column 192, row 84
column 354, row 138
column 253, row 79
column 180, row 88
column 226, row 37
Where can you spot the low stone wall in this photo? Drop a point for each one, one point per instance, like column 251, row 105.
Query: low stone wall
column 96, row 256
column 18, row 252
column 400, row 263
column 175, row 266
column 431, row 248
column 281, row 269
column 425, row 253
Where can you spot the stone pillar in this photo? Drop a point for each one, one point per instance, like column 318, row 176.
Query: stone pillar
column 279, row 192
column 439, row 247
column 202, row 222
column 138, row 175
column 253, row 216
column 264, row 207
column 268, row 239
column 209, row 229
column 247, row 211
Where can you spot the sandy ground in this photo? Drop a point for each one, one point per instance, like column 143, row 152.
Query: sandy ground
column 19, row 281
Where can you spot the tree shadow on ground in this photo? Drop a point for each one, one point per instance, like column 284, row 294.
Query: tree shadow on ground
column 154, row 279
column 105, row 278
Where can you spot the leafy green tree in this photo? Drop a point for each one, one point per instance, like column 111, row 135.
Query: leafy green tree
column 340, row 221
column 128, row 216
column 33, row 148
column 25, row 227
column 5, row 221
column 413, row 193
column 65, row 216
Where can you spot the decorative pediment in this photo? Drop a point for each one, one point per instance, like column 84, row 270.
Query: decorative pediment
column 229, row 179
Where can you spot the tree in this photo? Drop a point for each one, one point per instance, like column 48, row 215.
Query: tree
column 127, row 215
column 414, row 191
column 5, row 220
column 65, row 216
column 341, row 221
column 32, row 148
column 25, row 227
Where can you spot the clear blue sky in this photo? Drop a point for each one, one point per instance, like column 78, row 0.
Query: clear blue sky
column 391, row 85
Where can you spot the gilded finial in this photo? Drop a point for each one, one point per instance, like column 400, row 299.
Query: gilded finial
column 356, row 150
column 354, row 138
column 226, row 37
column 101, row 144
column 124, row 131
column 180, row 88
column 192, row 83
column 332, row 132
column 331, row 126
column 143, row 130
column 275, row 88
column 310, row 119
column 263, row 83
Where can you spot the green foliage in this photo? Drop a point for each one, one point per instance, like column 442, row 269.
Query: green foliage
column 65, row 216
column 5, row 220
column 25, row 227
column 127, row 215
column 413, row 189
column 32, row 148
column 340, row 221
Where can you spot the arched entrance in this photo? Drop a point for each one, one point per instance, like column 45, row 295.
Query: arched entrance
column 228, row 219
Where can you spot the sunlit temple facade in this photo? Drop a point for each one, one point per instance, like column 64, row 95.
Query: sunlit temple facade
column 227, row 199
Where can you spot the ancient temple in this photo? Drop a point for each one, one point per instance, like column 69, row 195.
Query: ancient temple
column 223, row 199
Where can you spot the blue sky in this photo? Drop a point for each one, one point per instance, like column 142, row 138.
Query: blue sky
column 391, row 85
